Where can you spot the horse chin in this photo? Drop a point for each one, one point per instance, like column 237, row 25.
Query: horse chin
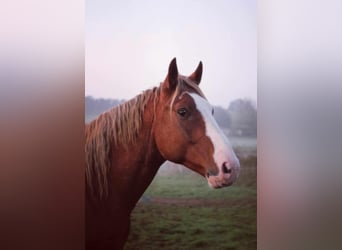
column 216, row 182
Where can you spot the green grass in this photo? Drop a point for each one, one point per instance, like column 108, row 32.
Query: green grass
column 174, row 227
column 182, row 212
column 194, row 186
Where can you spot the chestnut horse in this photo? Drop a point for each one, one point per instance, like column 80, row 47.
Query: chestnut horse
column 126, row 145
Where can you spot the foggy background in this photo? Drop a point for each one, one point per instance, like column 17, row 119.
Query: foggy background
column 128, row 48
column 129, row 45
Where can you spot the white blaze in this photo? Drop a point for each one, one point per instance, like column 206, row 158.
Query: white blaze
column 223, row 151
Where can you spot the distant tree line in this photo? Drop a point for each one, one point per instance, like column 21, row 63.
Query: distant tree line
column 243, row 116
column 239, row 119
column 95, row 106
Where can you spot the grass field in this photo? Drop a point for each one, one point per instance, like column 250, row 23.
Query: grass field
column 180, row 211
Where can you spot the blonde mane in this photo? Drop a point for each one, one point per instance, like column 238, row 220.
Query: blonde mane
column 117, row 126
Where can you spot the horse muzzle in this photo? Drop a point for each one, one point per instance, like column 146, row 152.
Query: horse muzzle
column 226, row 176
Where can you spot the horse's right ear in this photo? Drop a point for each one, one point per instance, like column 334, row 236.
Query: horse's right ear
column 172, row 76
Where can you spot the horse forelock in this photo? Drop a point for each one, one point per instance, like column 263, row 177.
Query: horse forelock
column 185, row 84
column 118, row 126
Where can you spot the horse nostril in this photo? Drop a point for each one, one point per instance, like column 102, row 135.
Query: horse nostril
column 226, row 168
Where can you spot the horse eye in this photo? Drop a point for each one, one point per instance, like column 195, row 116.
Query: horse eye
column 182, row 112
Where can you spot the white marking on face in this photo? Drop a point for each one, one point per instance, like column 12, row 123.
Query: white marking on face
column 223, row 151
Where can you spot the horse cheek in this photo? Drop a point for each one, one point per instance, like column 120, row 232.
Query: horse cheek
column 170, row 145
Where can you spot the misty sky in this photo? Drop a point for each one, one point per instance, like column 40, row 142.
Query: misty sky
column 129, row 45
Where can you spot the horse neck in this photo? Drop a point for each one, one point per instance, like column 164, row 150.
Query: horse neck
column 137, row 165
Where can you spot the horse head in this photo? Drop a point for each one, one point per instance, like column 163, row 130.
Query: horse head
column 186, row 132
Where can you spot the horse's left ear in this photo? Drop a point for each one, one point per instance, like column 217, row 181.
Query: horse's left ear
column 197, row 75
column 172, row 76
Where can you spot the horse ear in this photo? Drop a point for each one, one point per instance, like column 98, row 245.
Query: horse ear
column 172, row 76
column 197, row 75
